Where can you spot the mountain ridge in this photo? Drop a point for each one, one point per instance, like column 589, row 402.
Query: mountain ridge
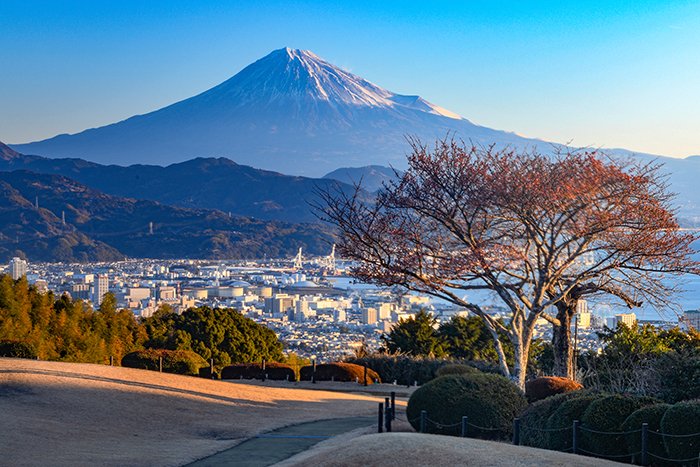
column 290, row 111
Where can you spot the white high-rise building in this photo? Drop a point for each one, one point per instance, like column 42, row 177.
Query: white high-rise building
column 100, row 288
column 18, row 268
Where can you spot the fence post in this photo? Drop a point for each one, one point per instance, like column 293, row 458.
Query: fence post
column 645, row 443
column 516, row 431
column 423, row 420
column 160, row 364
column 111, row 360
column 313, row 371
column 465, row 426
column 380, row 418
column 387, row 417
column 574, row 440
column 211, row 368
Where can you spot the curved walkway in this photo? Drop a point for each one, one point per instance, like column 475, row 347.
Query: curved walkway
column 278, row 445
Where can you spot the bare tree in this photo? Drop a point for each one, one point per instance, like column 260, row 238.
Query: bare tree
column 537, row 230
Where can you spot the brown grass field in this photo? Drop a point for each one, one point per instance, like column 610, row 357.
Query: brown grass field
column 81, row 414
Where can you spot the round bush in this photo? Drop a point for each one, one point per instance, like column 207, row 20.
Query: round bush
column 607, row 415
column 17, row 349
column 273, row 370
column 682, row 418
column 652, row 415
column 490, row 401
column 547, row 386
column 339, row 372
column 562, row 420
column 181, row 362
column 533, row 420
column 456, row 369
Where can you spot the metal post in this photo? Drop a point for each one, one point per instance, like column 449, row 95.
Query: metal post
column 160, row 364
column 574, row 440
column 364, row 381
column 211, row 368
column 263, row 369
column 387, row 417
column 313, row 371
column 516, row 431
column 465, row 426
column 380, row 418
column 393, row 405
column 645, row 444
column 423, row 420
column 111, row 360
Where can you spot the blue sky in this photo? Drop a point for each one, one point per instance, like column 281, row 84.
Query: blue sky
column 612, row 74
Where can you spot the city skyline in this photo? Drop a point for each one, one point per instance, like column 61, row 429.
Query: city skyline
column 588, row 75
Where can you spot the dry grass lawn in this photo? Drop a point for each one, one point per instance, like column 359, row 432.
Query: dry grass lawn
column 80, row 414
column 413, row 449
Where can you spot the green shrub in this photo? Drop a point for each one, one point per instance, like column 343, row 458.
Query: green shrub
column 533, row 420
column 547, row 386
column 339, row 372
column 407, row 370
column 456, row 369
column 273, row 370
column 682, row 418
column 17, row 349
column 562, row 420
column 607, row 415
column 652, row 415
column 182, row 362
column 679, row 375
column 490, row 401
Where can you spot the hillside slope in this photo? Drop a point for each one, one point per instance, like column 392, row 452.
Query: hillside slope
column 81, row 414
column 101, row 227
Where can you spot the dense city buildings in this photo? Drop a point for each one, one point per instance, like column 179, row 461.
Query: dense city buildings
column 316, row 310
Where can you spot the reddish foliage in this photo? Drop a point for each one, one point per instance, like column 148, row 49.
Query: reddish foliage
column 546, row 386
column 339, row 372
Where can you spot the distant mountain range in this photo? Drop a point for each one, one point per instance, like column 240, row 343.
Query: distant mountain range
column 290, row 112
column 101, row 227
column 207, row 183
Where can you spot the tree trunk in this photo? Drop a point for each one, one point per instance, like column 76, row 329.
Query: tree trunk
column 499, row 348
column 561, row 340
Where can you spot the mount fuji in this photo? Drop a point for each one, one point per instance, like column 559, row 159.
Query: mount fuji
column 291, row 111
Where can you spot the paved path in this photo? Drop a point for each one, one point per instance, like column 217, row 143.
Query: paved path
column 278, row 445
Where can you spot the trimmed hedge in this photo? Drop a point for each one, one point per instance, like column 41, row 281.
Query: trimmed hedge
column 652, row 415
column 17, row 349
column 346, row 372
column 547, row 386
column 607, row 414
column 456, row 369
column 490, row 401
column 533, row 420
column 273, row 370
column 682, row 418
column 407, row 369
column 562, row 420
column 182, row 362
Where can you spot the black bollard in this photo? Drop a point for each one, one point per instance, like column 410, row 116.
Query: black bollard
column 380, row 418
column 465, row 426
column 574, row 439
column 387, row 418
column 423, row 420
column 516, row 431
column 393, row 405
column 645, row 444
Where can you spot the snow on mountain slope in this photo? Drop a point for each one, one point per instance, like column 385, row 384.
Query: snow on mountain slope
column 290, row 111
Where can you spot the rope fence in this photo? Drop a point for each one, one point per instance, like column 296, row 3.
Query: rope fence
column 643, row 455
